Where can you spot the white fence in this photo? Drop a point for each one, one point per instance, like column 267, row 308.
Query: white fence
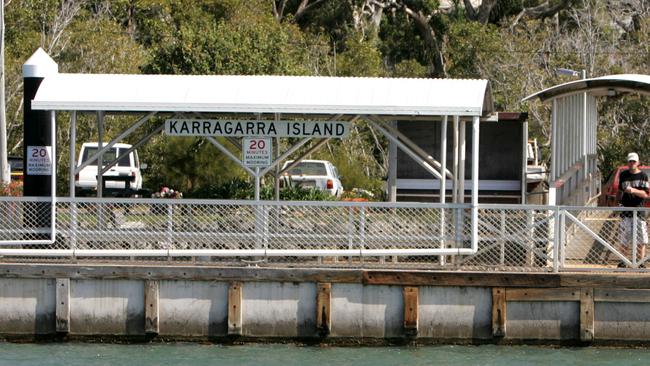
column 510, row 237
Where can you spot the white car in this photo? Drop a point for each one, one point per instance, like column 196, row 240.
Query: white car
column 127, row 169
column 319, row 174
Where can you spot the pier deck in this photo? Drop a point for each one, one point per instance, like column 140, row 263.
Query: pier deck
column 323, row 305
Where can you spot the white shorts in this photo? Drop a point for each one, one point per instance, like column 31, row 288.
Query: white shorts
column 625, row 231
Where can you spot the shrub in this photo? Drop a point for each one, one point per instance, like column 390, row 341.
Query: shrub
column 241, row 189
column 166, row 192
column 359, row 193
column 13, row 189
column 297, row 194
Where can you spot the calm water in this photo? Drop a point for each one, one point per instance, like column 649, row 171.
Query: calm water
column 193, row 354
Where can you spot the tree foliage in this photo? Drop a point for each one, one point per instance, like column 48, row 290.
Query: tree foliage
column 515, row 44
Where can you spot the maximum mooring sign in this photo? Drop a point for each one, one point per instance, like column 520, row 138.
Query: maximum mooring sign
column 257, row 151
column 39, row 160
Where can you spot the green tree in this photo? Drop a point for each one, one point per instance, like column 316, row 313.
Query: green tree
column 360, row 58
column 243, row 40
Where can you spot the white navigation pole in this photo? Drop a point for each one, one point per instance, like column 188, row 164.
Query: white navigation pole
column 4, row 165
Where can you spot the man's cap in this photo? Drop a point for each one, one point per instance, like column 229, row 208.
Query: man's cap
column 633, row 156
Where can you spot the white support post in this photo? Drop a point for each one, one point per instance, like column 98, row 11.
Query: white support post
column 73, row 140
column 456, row 195
column 567, row 138
column 277, row 170
column 562, row 238
column 461, row 161
column 556, row 156
column 100, row 158
column 257, row 183
column 362, row 230
column 276, row 181
column 524, row 163
column 73, row 205
column 456, row 159
column 53, row 180
column 443, row 159
column 557, row 239
column 475, row 164
column 5, row 173
column 552, row 199
column 635, row 227
column 585, row 167
column 259, row 213
column 443, row 183
column 559, row 139
column 552, row 195
column 392, row 170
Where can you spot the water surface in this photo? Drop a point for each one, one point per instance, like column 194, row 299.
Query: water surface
column 85, row 354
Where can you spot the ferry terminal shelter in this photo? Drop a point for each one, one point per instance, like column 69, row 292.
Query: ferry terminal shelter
column 453, row 104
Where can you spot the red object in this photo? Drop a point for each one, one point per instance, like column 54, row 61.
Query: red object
column 610, row 188
column 330, row 184
column 356, row 199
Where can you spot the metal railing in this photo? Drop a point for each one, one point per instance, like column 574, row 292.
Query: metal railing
column 510, row 237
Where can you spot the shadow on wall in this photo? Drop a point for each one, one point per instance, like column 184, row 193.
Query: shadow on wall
column 455, row 312
column 27, row 306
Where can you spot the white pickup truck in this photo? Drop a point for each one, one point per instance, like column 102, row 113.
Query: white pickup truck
column 125, row 176
column 319, row 174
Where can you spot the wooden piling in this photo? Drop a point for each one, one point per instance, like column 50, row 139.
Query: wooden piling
column 411, row 309
column 63, row 305
column 234, row 308
column 323, row 308
column 587, row 314
column 151, row 311
column 498, row 312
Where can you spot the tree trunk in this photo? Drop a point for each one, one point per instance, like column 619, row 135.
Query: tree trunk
column 436, row 60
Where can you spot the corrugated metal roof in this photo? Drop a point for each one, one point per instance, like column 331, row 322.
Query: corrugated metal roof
column 264, row 94
column 624, row 83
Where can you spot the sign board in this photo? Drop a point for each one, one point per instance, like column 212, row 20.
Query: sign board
column 257, row 151
column 242, row 128
column 39, row 160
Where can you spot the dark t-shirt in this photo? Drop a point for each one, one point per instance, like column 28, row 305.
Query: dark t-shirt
column 637, row 181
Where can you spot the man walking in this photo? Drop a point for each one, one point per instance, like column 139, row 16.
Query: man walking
column 633, row 188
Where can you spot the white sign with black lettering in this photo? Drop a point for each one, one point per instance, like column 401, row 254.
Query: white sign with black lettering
column 241, row 128
column 257, row 151
column 39, row 160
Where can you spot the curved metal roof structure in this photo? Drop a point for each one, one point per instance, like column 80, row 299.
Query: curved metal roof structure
column 264, row 94
column 601, row 86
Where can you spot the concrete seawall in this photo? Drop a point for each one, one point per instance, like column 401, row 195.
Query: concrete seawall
column 320, row 305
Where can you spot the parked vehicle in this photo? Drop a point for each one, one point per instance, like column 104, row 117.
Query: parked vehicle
column 16, row 167
column 125, row 177
column 610, row 189
column 319, row 174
